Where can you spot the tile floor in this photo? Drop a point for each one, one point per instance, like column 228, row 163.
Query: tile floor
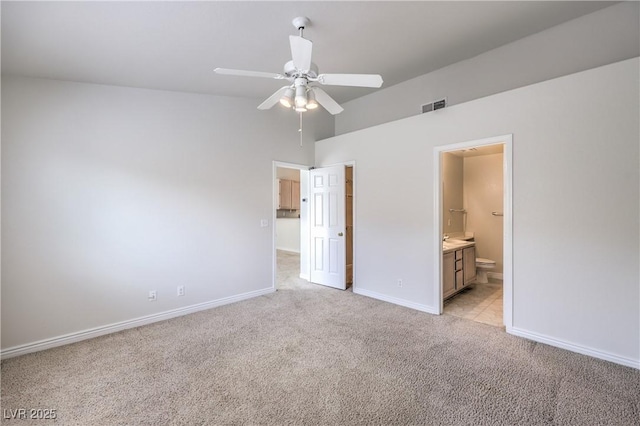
column 479, row 302
column 288, row 272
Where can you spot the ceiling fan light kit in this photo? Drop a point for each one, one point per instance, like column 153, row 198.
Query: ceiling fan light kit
column 311, row 100
column 303, row 93
column 287, row 99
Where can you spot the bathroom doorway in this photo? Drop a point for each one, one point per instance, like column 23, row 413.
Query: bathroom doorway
column 473, row 205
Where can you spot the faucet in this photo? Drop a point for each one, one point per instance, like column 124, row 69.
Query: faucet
column 445, row 237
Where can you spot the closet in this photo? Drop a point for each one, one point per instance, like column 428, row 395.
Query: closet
column 349, row 222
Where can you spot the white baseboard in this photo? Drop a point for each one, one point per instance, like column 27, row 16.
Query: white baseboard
column 395, row 301
column 288, row 250
column 305, row 277
column 541, row 338
column 123, row 325
column 629, row 362
column 495, row 275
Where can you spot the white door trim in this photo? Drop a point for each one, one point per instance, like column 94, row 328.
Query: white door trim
column 274, row 208
column 507, row 141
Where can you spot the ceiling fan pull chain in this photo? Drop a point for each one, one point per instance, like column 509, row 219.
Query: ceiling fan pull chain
column 300, row 129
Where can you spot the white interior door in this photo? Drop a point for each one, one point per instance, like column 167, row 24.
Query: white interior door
column 327, row 214
column 304, row 225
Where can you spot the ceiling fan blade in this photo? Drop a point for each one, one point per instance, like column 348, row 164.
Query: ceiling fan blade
column 301, row 52
column 327, row 101
column 243, row 73
column 273, row 99
column 358, row 80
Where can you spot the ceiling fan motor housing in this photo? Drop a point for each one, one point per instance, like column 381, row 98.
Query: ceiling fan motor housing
column 300, row 81
column 291, row 71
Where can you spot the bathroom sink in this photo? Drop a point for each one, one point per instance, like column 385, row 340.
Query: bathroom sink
column 451, row 244
column 457, row 242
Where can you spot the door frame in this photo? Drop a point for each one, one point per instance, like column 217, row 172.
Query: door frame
column 274, row 208
column 507, row 243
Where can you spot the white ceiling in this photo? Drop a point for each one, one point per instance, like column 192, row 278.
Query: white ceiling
column 176, row 45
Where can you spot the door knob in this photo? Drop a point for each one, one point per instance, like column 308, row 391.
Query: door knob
column 340, row 234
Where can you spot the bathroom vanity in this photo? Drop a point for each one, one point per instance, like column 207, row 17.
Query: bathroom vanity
column 458, row 266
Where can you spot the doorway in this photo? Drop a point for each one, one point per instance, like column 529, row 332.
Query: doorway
column 324, row 219
column 473, row 213
column 289, row 225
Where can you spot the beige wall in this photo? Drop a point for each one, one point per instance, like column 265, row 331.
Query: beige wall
column 109, row 192
column 561, row 206
column 286, row 173
column 483, row 194
column 452, row 190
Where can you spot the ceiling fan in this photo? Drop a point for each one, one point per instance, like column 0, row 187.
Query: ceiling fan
column 303, row 93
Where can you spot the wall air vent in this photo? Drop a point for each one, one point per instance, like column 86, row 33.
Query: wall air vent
column 434, row 105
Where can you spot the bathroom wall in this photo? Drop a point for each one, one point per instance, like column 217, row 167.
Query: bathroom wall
column 452, row 193
column 483, row 194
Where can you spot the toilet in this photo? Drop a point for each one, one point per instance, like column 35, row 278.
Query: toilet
column 482, row 267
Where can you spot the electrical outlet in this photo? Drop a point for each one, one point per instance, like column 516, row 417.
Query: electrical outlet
column 399, row 282
column 153, row 296
column 180, row 290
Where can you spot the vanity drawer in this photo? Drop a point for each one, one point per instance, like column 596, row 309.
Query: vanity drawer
column 458, row 254
column 459, row 265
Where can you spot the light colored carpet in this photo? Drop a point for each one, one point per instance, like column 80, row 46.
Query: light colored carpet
column 318, row 356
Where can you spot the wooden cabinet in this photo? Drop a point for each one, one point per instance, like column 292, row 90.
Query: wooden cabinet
column 284, row 194
column 295, row 195
column 448, row 275
column 458, row 270
column 469, row 264
column 288, row 194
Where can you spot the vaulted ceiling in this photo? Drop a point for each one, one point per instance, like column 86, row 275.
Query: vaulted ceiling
column 176, row 45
